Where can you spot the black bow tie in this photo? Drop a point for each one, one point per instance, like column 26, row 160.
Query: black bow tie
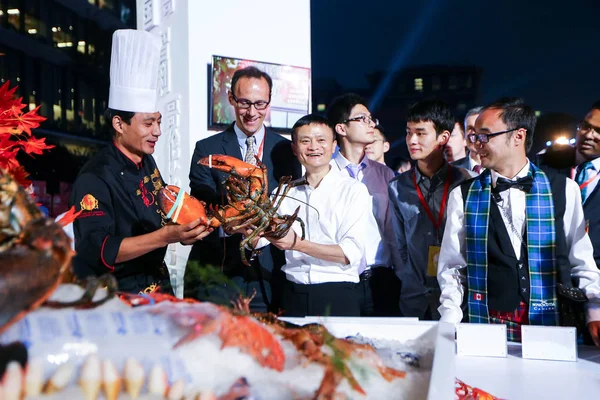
column 525, row 184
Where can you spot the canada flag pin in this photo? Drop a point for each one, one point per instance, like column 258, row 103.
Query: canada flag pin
column 478, row 296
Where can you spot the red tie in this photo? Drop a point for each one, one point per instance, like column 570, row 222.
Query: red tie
column 477, row 169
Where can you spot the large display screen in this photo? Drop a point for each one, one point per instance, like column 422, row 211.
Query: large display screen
column 290, row 99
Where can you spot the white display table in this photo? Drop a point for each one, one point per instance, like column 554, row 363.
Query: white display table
column 516, row 378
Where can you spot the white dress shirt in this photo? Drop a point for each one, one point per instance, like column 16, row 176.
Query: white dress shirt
column 337, row 212
column 259, row 136
column 596, row 162
column 375, row 177
column 452, row 261
column 472, row 164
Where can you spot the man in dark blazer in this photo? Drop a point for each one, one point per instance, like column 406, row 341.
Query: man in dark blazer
column 246, row 138
column 582, row 164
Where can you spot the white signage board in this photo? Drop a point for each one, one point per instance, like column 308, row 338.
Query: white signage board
column 549, row 342
column 481, row 340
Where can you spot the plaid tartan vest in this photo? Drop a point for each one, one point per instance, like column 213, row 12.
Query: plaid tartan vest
column 541, row 247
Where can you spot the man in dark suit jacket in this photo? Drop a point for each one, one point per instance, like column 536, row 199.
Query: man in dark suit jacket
column 582, row 164
column 246, row 138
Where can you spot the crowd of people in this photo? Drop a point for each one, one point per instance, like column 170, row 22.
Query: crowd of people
column 471, row 230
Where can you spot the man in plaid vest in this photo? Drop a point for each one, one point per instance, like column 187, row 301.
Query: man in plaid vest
column 513, row 233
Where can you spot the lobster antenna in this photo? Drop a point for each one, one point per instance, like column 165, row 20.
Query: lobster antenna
column 303, row 202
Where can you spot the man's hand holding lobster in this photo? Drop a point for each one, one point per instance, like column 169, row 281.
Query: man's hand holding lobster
column 186, row 234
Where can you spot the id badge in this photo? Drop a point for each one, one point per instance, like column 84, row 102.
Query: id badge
column 432, row 260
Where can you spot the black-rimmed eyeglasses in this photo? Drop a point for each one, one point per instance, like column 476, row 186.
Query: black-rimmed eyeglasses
column 586, row 127
column 244, row 103
column 365, row 119
column 485, row 137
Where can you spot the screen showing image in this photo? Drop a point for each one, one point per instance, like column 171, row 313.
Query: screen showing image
column 290, row 99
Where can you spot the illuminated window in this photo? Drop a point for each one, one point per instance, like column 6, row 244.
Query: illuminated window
column 321, row 107
column 14, row 15
column 538, row 113
column 419, row 84
column 81, row 46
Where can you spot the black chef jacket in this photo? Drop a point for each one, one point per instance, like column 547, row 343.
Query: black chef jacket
column 119, row 200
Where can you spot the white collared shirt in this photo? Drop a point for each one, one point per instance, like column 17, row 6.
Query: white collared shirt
column 472, row 164
column 452, row 261
column 596, row 162
column 338, row 212
column 259, row 136
column 375, row 177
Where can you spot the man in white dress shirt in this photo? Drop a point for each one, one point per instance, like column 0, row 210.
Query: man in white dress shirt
column 349, row 117
column 322, row 270
column 514, row 233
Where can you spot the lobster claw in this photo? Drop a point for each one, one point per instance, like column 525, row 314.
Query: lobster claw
column 232, row 165
column 187, row 211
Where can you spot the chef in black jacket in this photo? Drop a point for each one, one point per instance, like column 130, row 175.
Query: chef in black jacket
column 122, row 229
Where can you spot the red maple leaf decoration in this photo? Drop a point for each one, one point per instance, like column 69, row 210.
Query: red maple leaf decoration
column 15, row 133
column 35, row 146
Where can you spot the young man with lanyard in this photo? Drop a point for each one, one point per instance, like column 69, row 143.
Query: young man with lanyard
column 245, row 139
column 322, row 270
column 354, row 128
column 122, row 229
column 514, row 202
column 418, row 199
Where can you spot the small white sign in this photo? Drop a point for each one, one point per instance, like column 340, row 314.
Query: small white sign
column 481, row 340
column 549, row 342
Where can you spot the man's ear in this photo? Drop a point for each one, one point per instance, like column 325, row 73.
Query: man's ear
column 117, row 124
column 386, row 147
column 443, row 138
column 340, row 129
column 520, row 136
column 230, row 98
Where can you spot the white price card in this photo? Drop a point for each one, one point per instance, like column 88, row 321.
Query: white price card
column 481, row 340
column 549, row 342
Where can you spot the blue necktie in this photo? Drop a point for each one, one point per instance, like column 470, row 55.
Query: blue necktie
column 586, row 172
column 355, row 169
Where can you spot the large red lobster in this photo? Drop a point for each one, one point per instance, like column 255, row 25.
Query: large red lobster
column 248, row 202
column 35, row 255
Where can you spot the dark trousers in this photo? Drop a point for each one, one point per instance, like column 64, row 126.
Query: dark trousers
column 323, row 299
column 379, row 293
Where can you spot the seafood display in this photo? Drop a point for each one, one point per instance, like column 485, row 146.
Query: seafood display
column 466, row 392
column 181, row 349
column 35, row 255
column 248, row 202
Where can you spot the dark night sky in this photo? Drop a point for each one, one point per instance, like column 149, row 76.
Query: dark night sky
column 547, row 52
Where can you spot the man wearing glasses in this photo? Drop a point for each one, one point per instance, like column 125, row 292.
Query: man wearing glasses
column 586, row 173
column 471, row 161
column 246, row 139
column 514, row 234
column 418, row 200
column 354, row 127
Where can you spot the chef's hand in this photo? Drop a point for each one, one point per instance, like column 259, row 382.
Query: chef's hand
column 187, row 233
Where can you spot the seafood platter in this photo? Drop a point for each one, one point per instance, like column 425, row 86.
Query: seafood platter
column 181, row 350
